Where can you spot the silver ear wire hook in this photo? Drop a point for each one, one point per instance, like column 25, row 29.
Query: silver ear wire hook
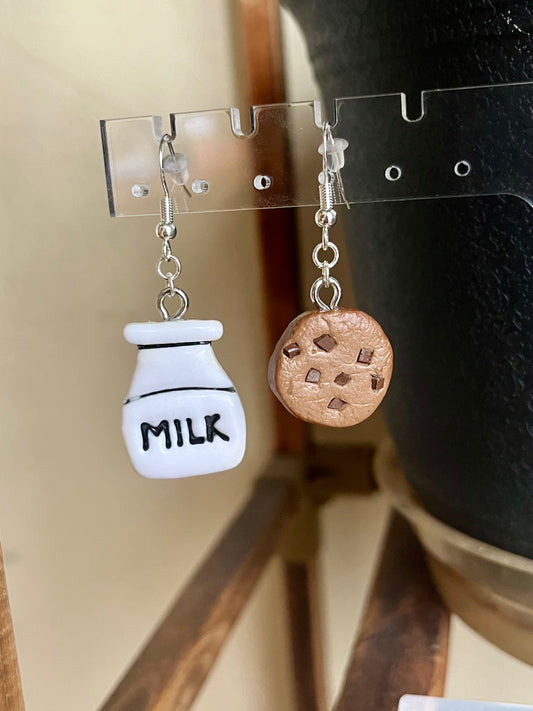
column 337, row 147
column 167, row 207
column 167, row 140
column 168, row 266
column 325, row 218
column 326, row 133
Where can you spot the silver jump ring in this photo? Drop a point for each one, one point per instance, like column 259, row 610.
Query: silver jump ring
column 321, row 264
column 171, row 259
column 315, row 294
column 167, row 292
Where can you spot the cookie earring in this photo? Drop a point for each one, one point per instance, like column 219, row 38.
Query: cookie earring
column 331, row 366
column 182, row 415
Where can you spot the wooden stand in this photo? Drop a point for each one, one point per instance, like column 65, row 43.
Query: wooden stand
column 10, row 686
column 403, row 639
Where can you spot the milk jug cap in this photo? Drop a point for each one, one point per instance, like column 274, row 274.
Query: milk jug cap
column 179, row 331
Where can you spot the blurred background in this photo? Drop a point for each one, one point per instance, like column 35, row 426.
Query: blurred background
column 95, row 554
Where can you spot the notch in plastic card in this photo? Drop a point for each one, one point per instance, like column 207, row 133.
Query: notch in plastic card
column 431, row 703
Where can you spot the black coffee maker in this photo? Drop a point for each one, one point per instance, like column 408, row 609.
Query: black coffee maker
column 450, row 280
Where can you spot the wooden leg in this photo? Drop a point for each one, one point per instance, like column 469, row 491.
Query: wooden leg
column 10, row 687
column 304, row 623
column 170, row 670
column 402, row 644
column 299, row 551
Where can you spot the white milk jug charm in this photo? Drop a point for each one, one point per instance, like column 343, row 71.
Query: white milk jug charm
column 182, row 416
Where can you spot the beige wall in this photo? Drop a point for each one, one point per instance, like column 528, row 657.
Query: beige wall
column 95, row 553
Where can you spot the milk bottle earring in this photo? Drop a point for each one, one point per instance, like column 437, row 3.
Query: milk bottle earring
column 182, row 416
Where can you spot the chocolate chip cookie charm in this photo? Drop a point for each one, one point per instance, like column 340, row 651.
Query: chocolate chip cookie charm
column 332, row 366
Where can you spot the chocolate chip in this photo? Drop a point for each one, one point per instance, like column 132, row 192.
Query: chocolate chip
column 325, row 342
column 365, row 356
column 378, row 381
column 342, row 378
column 336, row 404
column 313, row 376
column 292, row 350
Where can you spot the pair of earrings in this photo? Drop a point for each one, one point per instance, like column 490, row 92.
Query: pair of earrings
column 183, row 416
